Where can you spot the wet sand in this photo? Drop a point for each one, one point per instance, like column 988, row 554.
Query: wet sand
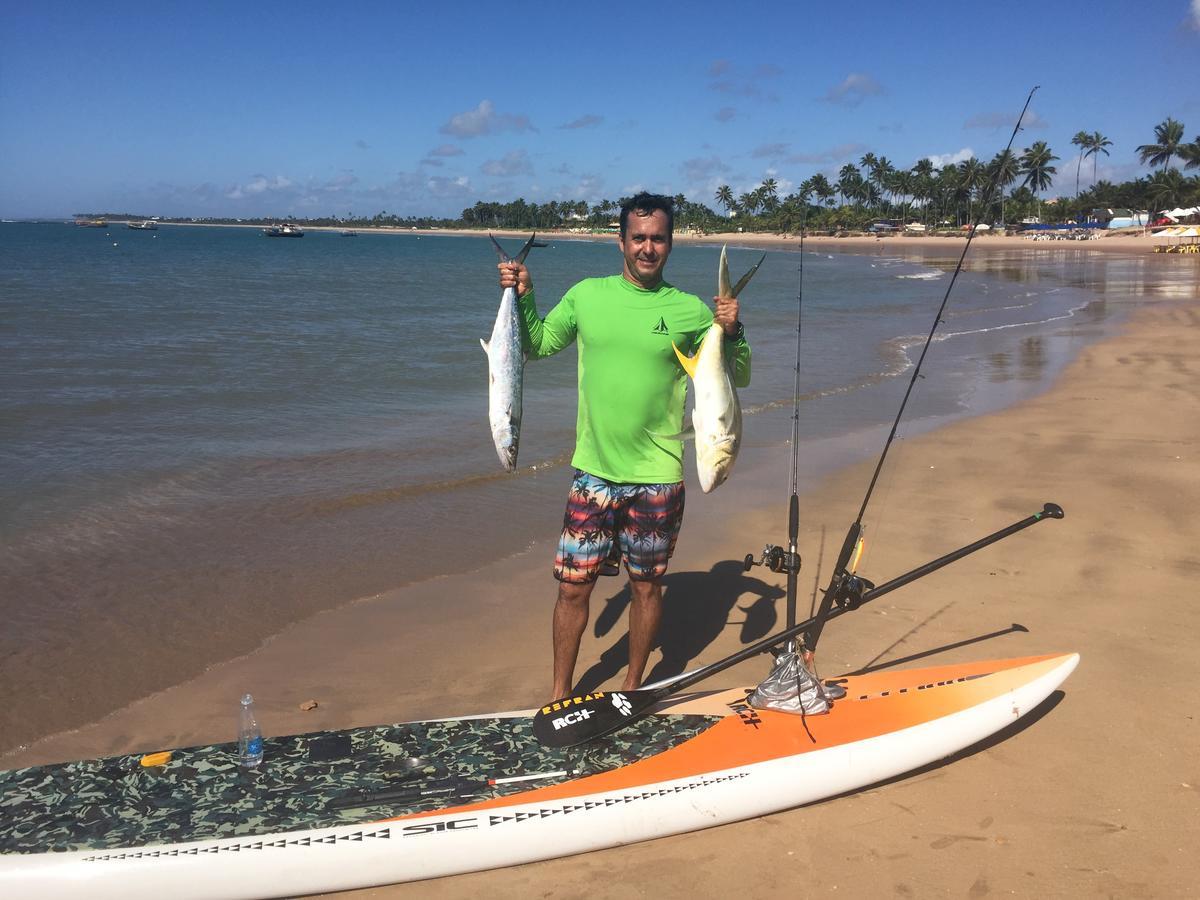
column 1098, row 795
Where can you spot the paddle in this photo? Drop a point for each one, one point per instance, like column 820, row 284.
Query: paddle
column 586, row 717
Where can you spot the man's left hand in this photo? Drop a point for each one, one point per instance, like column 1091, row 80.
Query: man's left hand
column 727, row 314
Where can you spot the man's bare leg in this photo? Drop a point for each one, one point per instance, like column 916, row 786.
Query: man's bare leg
column 570, row 619
column 645, row 612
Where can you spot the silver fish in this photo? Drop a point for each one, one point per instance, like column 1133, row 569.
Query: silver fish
column 506, row 369
column 717, row 414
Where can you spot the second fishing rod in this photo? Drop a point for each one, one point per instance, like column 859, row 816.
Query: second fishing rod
column 846, row 590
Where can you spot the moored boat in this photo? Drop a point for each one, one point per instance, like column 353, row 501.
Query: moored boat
column 287, row 229
column 147, row 225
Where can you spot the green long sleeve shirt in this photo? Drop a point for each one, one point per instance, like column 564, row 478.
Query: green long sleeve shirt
column 630, row 382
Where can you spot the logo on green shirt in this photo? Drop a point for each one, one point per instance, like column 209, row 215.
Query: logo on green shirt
column 661, row 327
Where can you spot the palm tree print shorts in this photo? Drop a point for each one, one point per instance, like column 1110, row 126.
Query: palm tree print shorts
column 644, row 520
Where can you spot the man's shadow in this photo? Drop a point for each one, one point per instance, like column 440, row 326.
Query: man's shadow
column 696, row 609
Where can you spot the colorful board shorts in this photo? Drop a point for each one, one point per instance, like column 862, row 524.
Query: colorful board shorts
column 643, row 519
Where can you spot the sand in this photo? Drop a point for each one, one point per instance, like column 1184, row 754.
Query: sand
column 1099, row 795
column 1125, row 242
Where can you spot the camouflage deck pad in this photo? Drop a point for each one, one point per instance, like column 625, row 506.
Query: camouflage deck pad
column 202, row 794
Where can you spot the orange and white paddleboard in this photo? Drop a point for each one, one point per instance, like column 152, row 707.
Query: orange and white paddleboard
column 338, row 810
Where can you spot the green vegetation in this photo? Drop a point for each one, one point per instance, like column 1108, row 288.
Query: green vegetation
column 872, row 189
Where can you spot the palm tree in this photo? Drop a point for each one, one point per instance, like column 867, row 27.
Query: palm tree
column 1169, row 135
column 823, row 189
column 900, row 183
column 768, row 195
column 881, row 173
column 970, row 180
column 1167, row 188
column 1081, row 140
column 1035, row 166
column 1190, row 154
column 923, row 175
column 848, row 181
column 724, row 196
column 1095, row 145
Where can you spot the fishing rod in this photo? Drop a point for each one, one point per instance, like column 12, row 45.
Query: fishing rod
column 775, row 557
column 845, row 587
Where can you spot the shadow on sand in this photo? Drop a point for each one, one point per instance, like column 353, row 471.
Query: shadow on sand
column 697, row 606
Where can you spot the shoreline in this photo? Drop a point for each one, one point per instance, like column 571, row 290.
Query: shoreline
column 1126, row 243
column 1113, row 440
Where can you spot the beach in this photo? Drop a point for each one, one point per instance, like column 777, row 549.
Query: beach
column 1097, row 795
column 1123, row 242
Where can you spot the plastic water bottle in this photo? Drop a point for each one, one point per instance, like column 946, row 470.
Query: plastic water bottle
column 250, row 742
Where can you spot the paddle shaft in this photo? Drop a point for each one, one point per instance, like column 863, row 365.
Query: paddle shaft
column 1049, row 511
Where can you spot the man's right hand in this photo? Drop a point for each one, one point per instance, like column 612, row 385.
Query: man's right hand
column 515, row 275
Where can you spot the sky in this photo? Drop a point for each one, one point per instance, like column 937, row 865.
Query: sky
column 317, row 109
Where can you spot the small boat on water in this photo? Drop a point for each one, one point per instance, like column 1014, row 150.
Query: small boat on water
column 349, row 232
column 285, row 230
column 148, row 225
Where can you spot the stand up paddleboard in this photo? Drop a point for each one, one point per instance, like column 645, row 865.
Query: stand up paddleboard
column 348, row 809
column 338, row 810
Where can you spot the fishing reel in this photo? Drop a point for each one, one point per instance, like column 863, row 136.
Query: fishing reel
column 774, row 558
column 850, row 590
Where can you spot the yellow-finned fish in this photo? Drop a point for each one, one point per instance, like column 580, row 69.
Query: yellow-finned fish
column 717, row 414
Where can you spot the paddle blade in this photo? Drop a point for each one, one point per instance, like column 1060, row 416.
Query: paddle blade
column 579, row 719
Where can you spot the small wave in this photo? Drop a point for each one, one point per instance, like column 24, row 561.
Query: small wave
column 923, row 276
column 408, row 491
column 1070, row 313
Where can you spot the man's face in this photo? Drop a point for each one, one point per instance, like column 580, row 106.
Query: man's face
column 646, row 246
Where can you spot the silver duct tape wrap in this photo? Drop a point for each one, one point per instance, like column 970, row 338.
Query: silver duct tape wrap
column 791, row 688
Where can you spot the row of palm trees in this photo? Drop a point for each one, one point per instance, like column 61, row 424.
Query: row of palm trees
column 876, row 187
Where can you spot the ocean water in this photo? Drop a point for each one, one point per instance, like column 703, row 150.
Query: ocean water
column 206, row 435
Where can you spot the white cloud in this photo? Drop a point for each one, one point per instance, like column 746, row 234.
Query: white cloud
column 702, row 169
column 484, row 119
column 857, row 87
column 588, row 121
column 449, row 187
column 770, row 150
column 941, row 160
column 1196, row 14
column 259, row 184
column 515, row 162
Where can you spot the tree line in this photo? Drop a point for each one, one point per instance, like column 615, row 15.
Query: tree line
column 874, row 188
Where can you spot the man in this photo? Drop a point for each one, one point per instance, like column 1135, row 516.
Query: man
column 627, row 493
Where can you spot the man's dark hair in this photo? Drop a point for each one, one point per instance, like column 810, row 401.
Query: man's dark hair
column 644, row 204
